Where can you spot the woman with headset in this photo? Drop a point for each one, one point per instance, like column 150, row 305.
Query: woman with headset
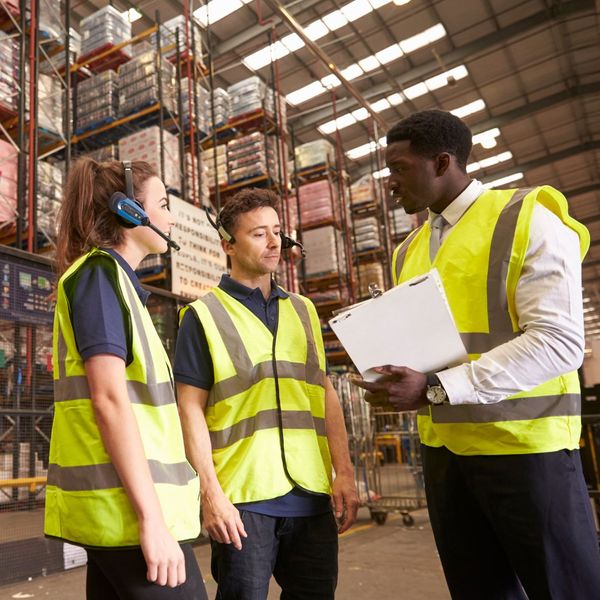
column 118, row 481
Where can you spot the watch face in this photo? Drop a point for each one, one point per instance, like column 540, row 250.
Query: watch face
column 436, row 394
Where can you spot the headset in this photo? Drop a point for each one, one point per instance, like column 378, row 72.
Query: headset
column 286, row 242
column 130, row 213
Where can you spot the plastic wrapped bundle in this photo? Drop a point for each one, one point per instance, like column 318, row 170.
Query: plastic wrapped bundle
column 9, row 72
column 364, row 191
column 222, row 108
column 97, row 100
column 216, row 164
column 8, row 183
column 318, row 203
column 400, row 222
column 106, row 27
column 168, row 37
column 324, row 251
column 49, row 197
column 366, row 234
column 314, row 153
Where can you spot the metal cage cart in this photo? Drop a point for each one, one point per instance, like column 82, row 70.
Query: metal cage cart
column 385, row 450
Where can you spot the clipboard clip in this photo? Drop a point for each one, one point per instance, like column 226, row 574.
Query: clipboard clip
column 374, row 290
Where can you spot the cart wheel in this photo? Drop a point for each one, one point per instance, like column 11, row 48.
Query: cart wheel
column 408, row 520
column 379, row 517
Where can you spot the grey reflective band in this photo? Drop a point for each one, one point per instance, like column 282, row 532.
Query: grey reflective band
column 153, row 394
column 516, row 409
column 104, row 476
column 248, row 374
column 403, row 249
column 62, row 354
column 478, row 343
column 499, row 321
column 266, row 419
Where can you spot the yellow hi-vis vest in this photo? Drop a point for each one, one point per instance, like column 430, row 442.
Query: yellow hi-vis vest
column 85, row 500
column 480, row 264
column 266, row 410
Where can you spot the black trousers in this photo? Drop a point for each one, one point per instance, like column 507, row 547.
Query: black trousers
column 513, row 527
column 121, row 575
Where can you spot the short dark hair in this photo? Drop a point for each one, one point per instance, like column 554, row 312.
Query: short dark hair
column 244, row 201
column 431, row 132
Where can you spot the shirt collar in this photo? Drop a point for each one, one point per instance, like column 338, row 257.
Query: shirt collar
column 241, row 292
column 457, row 208
column 137, row 286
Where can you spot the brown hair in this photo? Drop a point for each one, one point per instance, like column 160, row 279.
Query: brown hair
column 244, row 201
column 85, row 221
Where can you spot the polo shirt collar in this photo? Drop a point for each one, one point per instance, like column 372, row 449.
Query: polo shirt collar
column 241, row 292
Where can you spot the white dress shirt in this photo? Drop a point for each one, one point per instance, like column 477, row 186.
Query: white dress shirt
column 549, row 306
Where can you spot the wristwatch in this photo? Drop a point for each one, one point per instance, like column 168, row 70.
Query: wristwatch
column 436, row 394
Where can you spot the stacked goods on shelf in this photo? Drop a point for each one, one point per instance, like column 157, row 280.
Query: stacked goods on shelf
column 325, row 252
column 201, row 179
column 369, row 273
column 97, row 101
column 222, row 108
column 331, row 293
column 400, row 222
column 49, row 197
column 252, row 155
column 9, row 72
column 252, row 94
column 202, row 98
column 364, row 192
column 139, row 84
column 105, row 153
column 168, row 32
column 366, row 234
column 145, row 145
column 8, row 183
column 50, row 99
column 318, row 203
column 105, row 28
column 151, row 265
column 218, row 165
column 314, row 153
column 58, row 60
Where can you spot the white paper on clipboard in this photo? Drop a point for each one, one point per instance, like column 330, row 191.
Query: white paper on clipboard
column 410, row 325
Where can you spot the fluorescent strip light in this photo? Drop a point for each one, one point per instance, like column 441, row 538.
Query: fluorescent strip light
column 468, row 109
column 423, row 39
column 487, row 139
column 489, row 162
column 334, row 20
column 132, row 15
column 356, row 9
column 503, row 180
column 305, row 93
column 383, row 173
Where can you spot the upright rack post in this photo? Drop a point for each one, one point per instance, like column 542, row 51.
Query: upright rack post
column 21, row 124
column 182, row 161
column 161, row 112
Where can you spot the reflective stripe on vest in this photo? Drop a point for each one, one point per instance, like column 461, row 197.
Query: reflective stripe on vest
column 555, row 399
column 85, row 500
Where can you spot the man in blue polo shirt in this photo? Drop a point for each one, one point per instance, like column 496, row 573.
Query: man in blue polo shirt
column 253, row 422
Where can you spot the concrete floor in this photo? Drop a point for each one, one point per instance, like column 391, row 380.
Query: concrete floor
column 376, row 563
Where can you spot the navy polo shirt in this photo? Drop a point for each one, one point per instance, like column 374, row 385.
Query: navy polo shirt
column 194, row 366
column 97, row 309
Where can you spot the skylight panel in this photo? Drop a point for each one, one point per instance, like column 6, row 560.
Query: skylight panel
column 292, row 42
column 380, row 105
column 395, row 99
column 369, row 63
column 352, row 72
column 423, row 39
column 334, row 20
column 216, row 10
column 382, row 173
column 361, row 151
column 414, row 91
column 487, row 139
column 393, row 52
column 330, row 81
column 468, row 109
column 316, row 30
column 378, row 3
column 360, row 114
column 356, row 9
column 490, row 161
column 339, row 123
column 305, row 93
column 261, row 58
column 132, row 15
column 503, row 180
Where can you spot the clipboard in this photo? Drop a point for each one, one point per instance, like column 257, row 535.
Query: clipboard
column 409, row 325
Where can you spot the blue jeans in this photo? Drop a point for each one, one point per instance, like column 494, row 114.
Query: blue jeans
column 300, row 552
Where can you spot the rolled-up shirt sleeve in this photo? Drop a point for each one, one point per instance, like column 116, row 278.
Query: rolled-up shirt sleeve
column 549, row 301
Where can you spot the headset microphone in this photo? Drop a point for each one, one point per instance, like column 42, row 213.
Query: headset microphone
column 131, row 214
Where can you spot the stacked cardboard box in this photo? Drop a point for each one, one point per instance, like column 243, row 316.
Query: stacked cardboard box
column 252, row 155
column 314, row 153
column 168, row 37
column 222, row 108
column 366, row 234
column 97, row 100
column 106, row 27
column 324, row 251
column 200, row 177
column 400, row 222
column 318, row 203
column 8, row 183
column 216, row 165
column 145, row 145
column 364, row 191
column 202, row 98
column 139, row 83
column 9, row 72
column 49, row 197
